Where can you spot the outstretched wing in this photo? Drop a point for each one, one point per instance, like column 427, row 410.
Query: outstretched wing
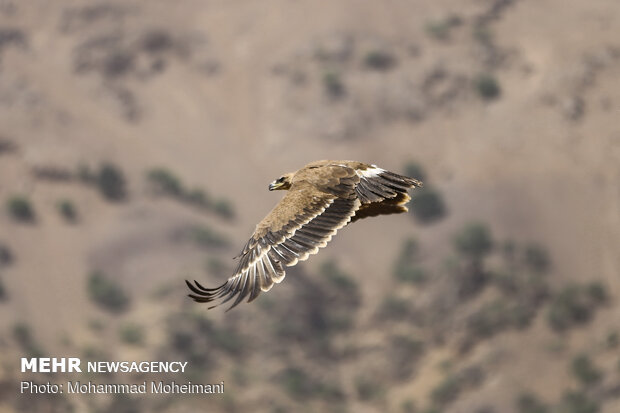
column 302, row 222
column 382, row 192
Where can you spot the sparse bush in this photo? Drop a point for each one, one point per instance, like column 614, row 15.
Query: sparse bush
column 22, row 334
column 132, row 333
column 578, row 402
column 20, row 209
column 67, row 210
column 165, row 182
column 613, row 339
column 228, row 340
column 224, row 208
column 85, row 174
column 207, row 237
column 111, row 182
column 427, row 205
column 537, row 258
column 393, row 308
column 404, row 351
column 7, row 146
column 3, row 294
column 200, row 198
column 156, row 41
column 341, row 281
column 597, row 292
column 529, row 403
column 585, row 371
column 487, row 86
column 474, row 240
column 379, row 60
column 297, row 383
column 447, row 391
column 368, row 389
column 6, row 255
column 96, row 325
column 334, row 87
column 107, row 293
column 440, row 29
column 499, row 315
column 405, row 268
column 415, row 170
column 489, row 320
column 118, row 63
column 574, row 305
column 408, row 406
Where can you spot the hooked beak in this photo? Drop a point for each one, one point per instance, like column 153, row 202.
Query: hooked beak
column 275, row 185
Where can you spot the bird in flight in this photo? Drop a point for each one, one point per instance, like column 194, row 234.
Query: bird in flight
column 322, row 197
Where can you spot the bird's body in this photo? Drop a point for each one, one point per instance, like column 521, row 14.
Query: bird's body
column 322, row 197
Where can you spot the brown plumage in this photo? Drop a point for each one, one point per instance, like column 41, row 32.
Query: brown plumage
column 322, row 197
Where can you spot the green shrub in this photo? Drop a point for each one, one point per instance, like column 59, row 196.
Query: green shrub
column 409, row 274
column 490, row 319
column 334, row 87
column 529, row 403
column 106, row 293
column 585, row 371
column 85, row 174
column 404, row 350
column 487, row 86
column 164, row 181
column 578, row 402
column 132, row 333
column 111, row 182
column 427, row 205
column 597, row 292
column 67, row 210
column 224, row 208
column 227, row 340
column 379, row 60
column 394, row 308
column 574, row 305
column 3, row 294
column 97, row 325
column 20, row 209
column 537, row 258
column 6, row 255
column 440, row 29
column 474, row 240
column 22, row 334
column 297, row 383
column 613, row 339
column 199, row 198
column 447, row 391
column 408, row 406
column 368, row 389
column 338, row 278
column 207, row 237
column 405, row 268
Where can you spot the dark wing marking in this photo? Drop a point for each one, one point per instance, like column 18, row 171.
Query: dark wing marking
column 382, row 192
column 262, row 260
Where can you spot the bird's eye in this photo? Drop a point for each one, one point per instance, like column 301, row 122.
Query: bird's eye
column 281, row 179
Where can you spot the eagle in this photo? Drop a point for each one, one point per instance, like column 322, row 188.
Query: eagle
column 322, row 197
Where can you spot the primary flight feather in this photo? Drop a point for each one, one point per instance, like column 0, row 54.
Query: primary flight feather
column 322, row 197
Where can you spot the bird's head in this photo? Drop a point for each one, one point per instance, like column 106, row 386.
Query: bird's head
column 283, row 182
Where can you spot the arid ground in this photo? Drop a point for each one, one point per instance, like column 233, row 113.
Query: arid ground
column 137, row 140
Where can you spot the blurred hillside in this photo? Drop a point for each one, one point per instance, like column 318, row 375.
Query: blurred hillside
column 137, row 141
